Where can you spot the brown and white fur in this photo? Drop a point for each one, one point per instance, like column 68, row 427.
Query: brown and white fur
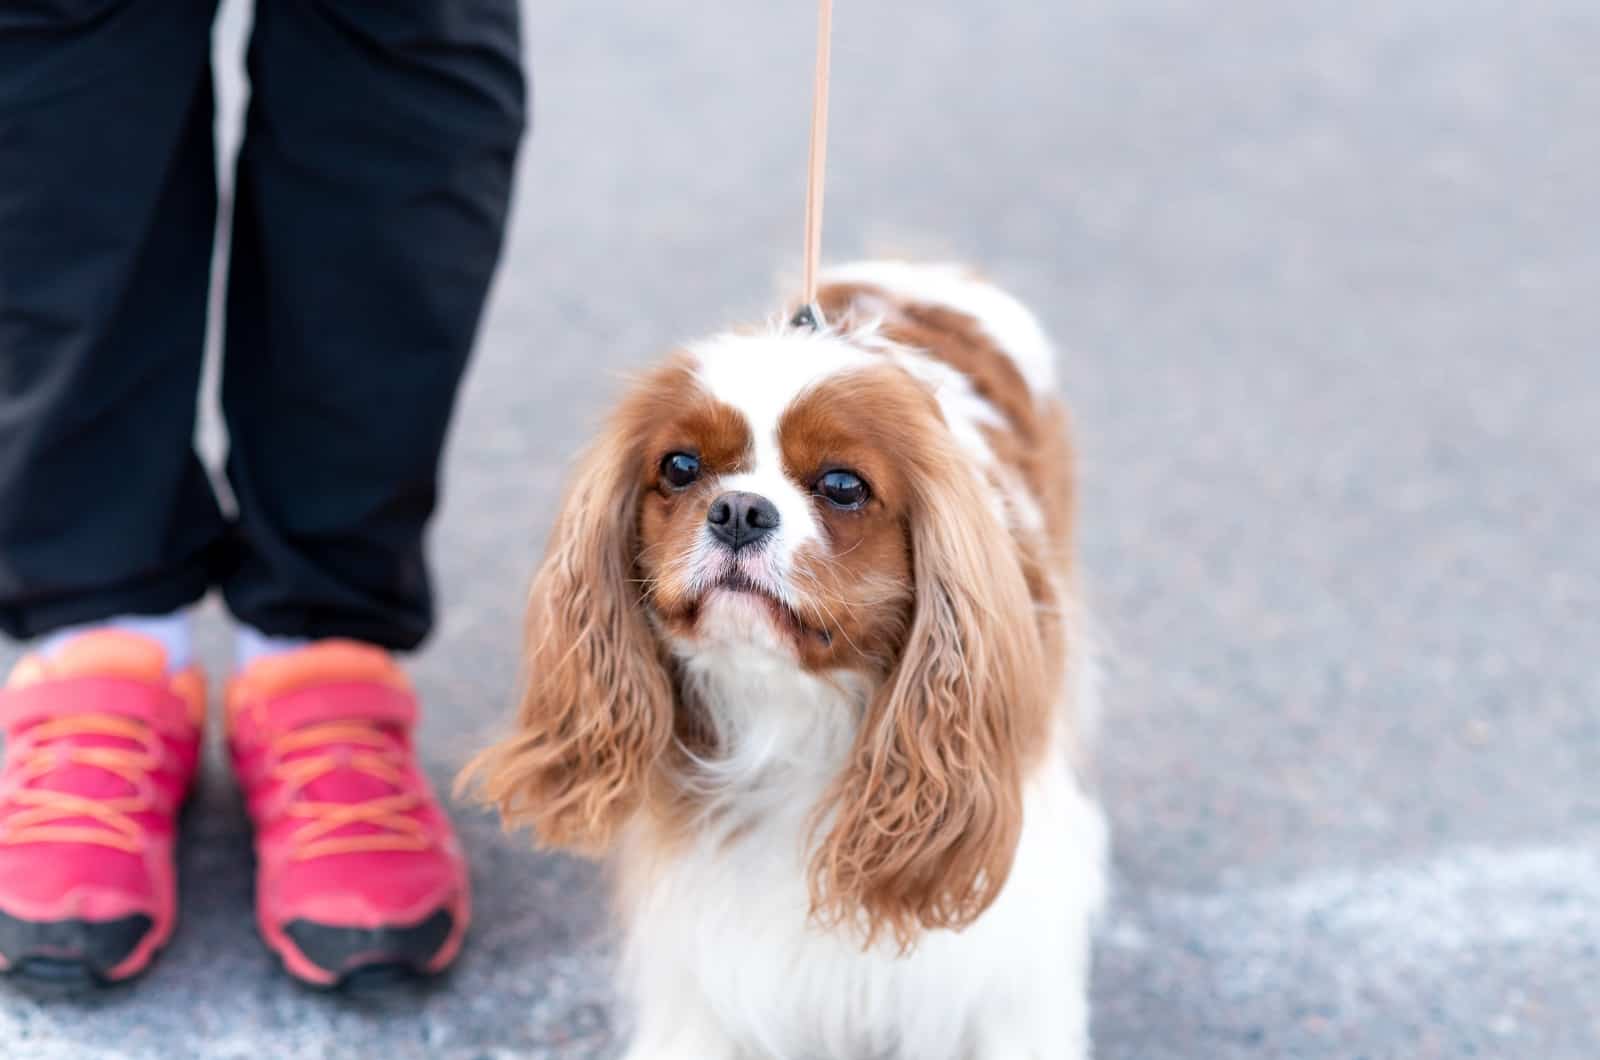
column 838, row 770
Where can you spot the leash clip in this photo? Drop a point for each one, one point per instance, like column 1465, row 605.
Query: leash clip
column 807, row 316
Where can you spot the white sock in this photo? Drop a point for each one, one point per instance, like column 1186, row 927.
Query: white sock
column 173, row 631
column 250, row 644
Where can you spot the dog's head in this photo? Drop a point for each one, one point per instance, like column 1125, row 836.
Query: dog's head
column 797, row 497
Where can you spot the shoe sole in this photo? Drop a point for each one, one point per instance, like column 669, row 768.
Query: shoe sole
column 77, row 952
column 334, row 957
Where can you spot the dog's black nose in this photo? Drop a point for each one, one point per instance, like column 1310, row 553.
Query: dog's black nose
column 740, row 519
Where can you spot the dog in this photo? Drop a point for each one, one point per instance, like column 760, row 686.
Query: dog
column 808, row 667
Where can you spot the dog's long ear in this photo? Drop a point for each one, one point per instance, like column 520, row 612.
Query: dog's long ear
column 923, row 823
column 597, row 701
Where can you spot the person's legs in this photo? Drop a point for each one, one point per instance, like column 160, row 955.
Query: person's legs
column 372, row 195
column 107, row 204
column 373, row 189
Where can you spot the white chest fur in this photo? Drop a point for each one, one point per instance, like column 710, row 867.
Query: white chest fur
column 724, row 963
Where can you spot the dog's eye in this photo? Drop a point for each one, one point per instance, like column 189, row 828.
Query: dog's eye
column 843, row 489
column 680, row 469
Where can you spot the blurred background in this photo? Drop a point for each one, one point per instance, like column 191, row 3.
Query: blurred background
column 1324, row 276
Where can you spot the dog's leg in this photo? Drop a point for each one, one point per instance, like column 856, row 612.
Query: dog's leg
column 1048, row 1028
column 1037, row 1008
column 677, row 1025
column 679, row 1049
column 681, row 1043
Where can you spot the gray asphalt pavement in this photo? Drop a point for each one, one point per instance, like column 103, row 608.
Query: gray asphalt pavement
column 1326, row 277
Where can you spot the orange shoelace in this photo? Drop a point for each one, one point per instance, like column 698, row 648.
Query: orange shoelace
column 384, row 761
column 39, row 755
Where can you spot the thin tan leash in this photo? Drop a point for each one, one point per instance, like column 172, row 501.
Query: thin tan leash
column 810, row 315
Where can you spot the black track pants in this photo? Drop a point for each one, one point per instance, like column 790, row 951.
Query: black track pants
column 372, row 192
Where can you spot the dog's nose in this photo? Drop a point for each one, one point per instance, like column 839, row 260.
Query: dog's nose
column 740, row 519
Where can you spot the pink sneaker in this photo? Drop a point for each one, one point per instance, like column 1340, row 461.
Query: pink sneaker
column 358, row 872
column 101, row 750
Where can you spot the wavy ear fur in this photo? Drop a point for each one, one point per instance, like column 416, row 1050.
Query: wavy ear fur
column 923, row 823
column 597, row 701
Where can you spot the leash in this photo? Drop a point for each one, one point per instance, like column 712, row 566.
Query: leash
column 809, row 314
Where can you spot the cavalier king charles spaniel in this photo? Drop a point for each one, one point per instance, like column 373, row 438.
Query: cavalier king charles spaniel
column 808, row 667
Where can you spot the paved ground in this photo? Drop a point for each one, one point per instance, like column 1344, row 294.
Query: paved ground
column 1328, row 275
